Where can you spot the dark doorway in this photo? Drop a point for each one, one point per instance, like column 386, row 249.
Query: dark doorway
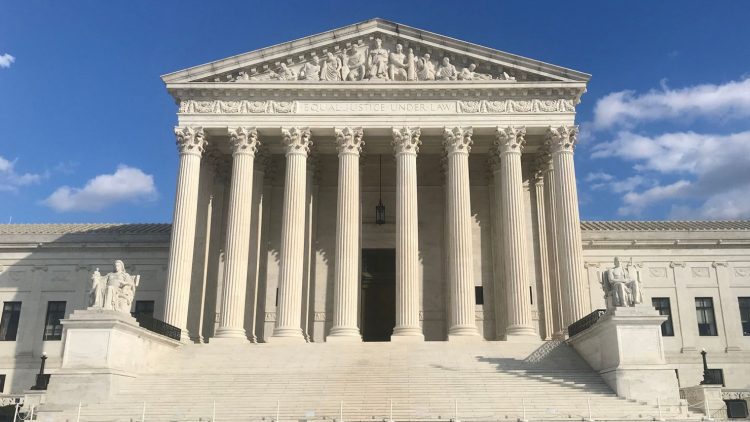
column 378, row 294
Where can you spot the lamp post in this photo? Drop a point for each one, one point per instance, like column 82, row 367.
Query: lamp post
column 41, row 379
column 706, row 377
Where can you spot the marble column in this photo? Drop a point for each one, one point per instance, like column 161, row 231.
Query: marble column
column 346, row 276
column 541, row 225
column 405, row 147
column 561, row 142
column 244, row 144
column 509, row 144
column 288, row 313
column 191, row 141
column 556, row 303
column 457, row 143
column 497, row 247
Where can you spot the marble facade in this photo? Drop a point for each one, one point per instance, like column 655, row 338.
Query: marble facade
column 283, row 155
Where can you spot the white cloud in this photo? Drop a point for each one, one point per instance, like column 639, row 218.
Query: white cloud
column 626, row 108
column 713, row 170
column 126, row 184
column 11, row 180
column 6, row 60
column 599, row 176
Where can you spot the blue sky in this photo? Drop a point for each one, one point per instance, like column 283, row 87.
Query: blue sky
column 86, row 124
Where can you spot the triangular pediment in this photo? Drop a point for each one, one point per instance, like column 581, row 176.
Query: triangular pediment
column 376, row 50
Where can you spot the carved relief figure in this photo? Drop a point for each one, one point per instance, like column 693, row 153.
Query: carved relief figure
column 425, row 69
column 620, row 287
column 114, row 291
column 378, row 61
column 311, row 70
column 354, row 65
column 331, row 68
column 284, row 73
column 469, row 74
column 446, row 71
column 397, row 64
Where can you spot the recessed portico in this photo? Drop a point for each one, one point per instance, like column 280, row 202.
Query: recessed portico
column 454, row 157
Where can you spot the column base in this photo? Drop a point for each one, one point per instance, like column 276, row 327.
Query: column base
column 343, row 338
column 521, row 333
column 464, row 333
column 407, row 334
column 287, row 335
column 185, row 336
column 230, row 333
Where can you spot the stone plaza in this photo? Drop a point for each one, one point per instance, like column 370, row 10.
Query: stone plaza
column 376, row 222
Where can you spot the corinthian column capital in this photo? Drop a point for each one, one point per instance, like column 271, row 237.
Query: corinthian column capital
column 349, row 140
column 406, row 140
column 297, row 140
column 562, row 139
column 457, row 139
column 190, row 140
column 510, row 139
column 244, row 140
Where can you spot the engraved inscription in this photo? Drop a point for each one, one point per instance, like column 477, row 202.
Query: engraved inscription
column 377, row 107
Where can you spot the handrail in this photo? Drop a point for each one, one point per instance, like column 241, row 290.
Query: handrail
column 157, row 326
column 585, row 323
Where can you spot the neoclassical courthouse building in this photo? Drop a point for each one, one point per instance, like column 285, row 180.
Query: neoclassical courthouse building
column 379, row 183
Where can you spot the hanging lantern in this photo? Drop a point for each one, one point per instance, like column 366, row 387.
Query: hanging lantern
column 380, row 208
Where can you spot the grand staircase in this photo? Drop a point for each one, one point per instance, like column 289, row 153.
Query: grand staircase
column 431, row 381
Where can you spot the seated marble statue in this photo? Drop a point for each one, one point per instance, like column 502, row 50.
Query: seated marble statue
column 446, row 71
column 425, row 69
column 620, row 287
column 354, row 65
column 311, row 70
column 378, row 62
column 397, row 64
column 114, row 291
column 284, row 73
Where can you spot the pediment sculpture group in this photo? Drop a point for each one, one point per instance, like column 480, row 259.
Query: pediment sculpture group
column 374, row 64
column 114, row 291
column 621, row 288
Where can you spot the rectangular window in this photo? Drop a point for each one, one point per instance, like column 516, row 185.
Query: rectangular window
column 2, row 383
column 144, row 307
column 745, row 315
column 704, row 309
column 9, row 321
column 52, row 327
column 716, row 376
column 662, row 305
column 479, row 295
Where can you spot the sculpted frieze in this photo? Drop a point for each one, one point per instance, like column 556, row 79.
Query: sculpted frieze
column 508, row 106
column 379, row 59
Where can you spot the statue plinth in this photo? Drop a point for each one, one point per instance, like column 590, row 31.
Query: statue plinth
column 625, row 347
column 102, row 348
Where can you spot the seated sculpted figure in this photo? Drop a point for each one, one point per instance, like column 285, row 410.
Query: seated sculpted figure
column 378, row 62
column 114, row 291
column 354, row 65
column 311, row 70
column 331, row 68
column 621, row 289
column 397, row 64
column 446, row 71
column 425, row 68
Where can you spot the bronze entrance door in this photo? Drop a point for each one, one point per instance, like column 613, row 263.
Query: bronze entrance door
column 378, row 294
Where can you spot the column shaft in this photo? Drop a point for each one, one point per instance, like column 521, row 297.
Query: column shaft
column 288, row 313
column 541, row 224
column 510, row 143
column 558, row 331
column 231, row 323
column 576, row 304
column 406, row 145
column 497, row 249
column 346, row 276
column 191, row 142
column 462, row 324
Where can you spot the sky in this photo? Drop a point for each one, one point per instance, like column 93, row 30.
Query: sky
column 86, row 123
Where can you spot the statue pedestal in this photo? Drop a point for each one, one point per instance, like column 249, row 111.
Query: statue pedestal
column 102, row 348
column 625, row 347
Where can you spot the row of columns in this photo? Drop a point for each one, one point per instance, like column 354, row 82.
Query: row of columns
column 559, row 201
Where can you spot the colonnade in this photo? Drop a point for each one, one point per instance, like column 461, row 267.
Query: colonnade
column 558, row 220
